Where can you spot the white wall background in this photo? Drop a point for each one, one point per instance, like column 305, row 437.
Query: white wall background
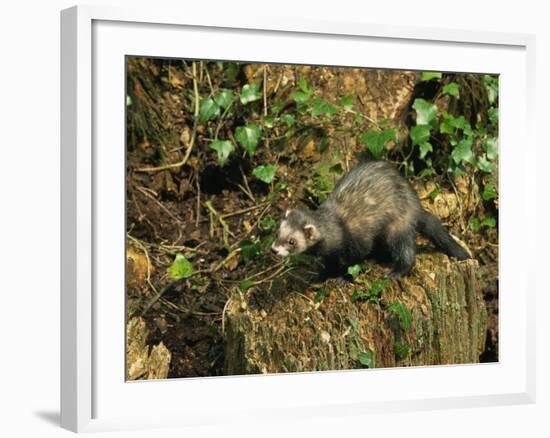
column 29, row 215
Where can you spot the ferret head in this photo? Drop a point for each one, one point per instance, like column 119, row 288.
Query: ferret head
column 297, row 233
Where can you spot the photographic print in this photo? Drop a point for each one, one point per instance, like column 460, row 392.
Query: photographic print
column 299, row 218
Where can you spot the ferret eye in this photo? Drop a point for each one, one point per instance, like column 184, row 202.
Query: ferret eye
column 292, row 242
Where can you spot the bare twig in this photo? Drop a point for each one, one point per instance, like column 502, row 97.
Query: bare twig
column 223, row 314
column 268, row 206
column 245, row 180
column 146, row 193
column 223, row 223
column 244, row 210
column 246, row 192
column 225, row 260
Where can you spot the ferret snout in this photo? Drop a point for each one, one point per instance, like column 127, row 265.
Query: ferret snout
column 279, row 250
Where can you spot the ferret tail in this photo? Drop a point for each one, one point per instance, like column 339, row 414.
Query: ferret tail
column 431, row 227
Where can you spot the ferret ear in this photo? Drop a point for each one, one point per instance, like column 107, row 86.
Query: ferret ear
column 311, row 232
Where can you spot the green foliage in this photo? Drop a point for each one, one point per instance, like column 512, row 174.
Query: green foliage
column 376, row 140
column 347, row 102
column 493, row 115
column 420, row 134
column 372, row 293
column 321, row 107
column 180, row 268
column 401, row 350
column 321, row 294
column 354, row 270
column 366, row 358
column 491, row 85
column 491, row 147
column 452, row 89
column 267, row 223
column 224, row 148
column 250, row 93
column 489, row 222
column 246, row 284
column 224, row 98
column 429, row 75
column 425, row 111
column 248, row 136
column 250, row 249
column 401, row 311
column 208, row 109
column 304, row 93
column 463, row 151
column 265, row 173
column 288, row 119
column 231, row 71
column 489, row 192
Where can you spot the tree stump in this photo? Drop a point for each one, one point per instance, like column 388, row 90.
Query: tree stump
column 288, row 330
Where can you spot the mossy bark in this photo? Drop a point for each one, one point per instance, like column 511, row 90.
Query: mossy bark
column 288, row 331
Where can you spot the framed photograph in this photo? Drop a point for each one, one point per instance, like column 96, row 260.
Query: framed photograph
column 266, row 218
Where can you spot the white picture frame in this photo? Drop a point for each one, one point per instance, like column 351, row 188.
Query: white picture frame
column 93, row 396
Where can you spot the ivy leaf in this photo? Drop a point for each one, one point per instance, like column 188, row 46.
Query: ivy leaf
column 376, row 141
column 420, row 134
column 249, row 250
column 484, row 165
column 429, row 75
column 267, row 223
column 224, row 98
column 300, row 96
column 401, row 350
column 462, row 151
column 302, row 84
column 248, row 136
column 399, row 309
column 275, row 108
column 269, row 121
column 354, row 270
column 489, row 221
column 425, row 111
column 288, row 119
column 347, row 102
column 265, row 173
column 489, row 192
column 250, row 93
column 231, row 71
column 208, row 109
column 377, row 287
column 493, row 115
column 321, row 294
column 180, row 268
column 452, row 89
column 322, row 107
column 358, row 294
column 474, row 224
column 425, row 147
column 366, row 358
column 491, row 146
column 491, row 85
column 224, row 149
